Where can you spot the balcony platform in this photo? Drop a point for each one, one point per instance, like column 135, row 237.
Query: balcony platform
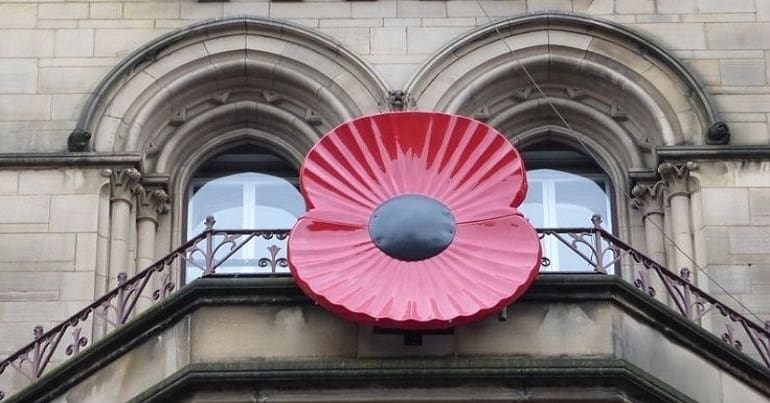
column 573, row 337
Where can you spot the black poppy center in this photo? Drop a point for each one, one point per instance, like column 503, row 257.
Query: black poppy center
column 412, row 227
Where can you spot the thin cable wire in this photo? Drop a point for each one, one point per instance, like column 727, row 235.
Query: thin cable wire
column 591, row 154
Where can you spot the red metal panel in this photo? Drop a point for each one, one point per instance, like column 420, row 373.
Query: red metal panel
column 465, row 166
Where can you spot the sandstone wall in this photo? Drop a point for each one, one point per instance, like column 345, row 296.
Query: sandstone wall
column 54, row 53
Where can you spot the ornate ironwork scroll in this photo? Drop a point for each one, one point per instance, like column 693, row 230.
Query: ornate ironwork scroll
column 600, row 250
column 205, row 252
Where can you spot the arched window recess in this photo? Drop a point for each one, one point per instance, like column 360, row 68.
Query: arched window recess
column 245, row 187
column 566, row 189
column 622, row 95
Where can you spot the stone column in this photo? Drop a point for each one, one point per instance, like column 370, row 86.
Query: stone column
column 123, row 184
column 676, row 177
column 150, row 204
column 648, row 198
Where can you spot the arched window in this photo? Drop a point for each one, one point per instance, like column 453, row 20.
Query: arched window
column 566, row 188
column 245, row 187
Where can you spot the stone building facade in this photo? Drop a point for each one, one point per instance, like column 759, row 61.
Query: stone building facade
column 109, row 108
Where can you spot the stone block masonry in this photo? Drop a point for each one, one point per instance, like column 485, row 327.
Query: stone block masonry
column 54, row 53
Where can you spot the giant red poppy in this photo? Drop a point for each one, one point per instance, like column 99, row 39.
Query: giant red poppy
column 412, row 222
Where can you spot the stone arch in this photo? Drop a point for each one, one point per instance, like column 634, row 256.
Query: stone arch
column 195, row 92
column 228, row 74
column 613, row 86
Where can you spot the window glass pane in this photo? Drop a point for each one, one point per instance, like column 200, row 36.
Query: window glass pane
column 532, row 208
column 279, row 195
column 224, row 200
column 245, row 200
column 577, row 199
column 561, row 199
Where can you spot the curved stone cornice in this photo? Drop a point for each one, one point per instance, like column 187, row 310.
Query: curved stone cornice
column 642, row 70
column 291, row 54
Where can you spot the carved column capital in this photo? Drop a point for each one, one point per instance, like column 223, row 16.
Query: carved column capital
column 648, row 198
column 123, row 183
column 151, row 203
column 676, row 177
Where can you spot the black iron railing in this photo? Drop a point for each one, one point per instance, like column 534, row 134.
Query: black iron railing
column 228, row 250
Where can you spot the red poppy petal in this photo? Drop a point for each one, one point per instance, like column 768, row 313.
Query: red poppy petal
column 494, row 179
column 488, row 265
column 314, row 240
column 463, row 163
column 337, row 265
column 495, row 261
column 460, row 162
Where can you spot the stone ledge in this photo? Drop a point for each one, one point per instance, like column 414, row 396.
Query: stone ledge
column 713, row 152
column 281, row 291
column 534, row 374
column 53, row 160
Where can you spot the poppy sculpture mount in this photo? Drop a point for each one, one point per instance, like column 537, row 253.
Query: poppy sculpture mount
column 412, row 222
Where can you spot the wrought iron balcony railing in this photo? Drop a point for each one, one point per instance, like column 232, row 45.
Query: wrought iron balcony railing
column 216, row 250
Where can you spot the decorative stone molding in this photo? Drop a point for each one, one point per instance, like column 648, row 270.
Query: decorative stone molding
column 718, row 134
column 271, row 97
column 522, row 94
column 61, row 159
column 676, row 175
column 312, row 117
column 482, row 114
column 475, row 71
column 151, row 203
column 318, row 73
column 78, row 140
column 398, row 100
column 648, row 198
column 123, row 183
column 576, row 93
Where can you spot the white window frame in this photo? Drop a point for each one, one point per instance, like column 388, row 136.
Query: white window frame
column 549, row 243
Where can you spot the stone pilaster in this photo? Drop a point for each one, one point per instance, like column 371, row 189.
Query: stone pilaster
column 151, row 203
column 123, row 186
column 648, row 198
column 676, row 176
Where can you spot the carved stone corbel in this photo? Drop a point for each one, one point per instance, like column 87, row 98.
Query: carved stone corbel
column 78, row 140
column 718, row 134
column 398, row 100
